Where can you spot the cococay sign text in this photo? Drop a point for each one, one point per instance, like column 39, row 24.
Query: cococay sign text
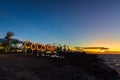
column 39, row 47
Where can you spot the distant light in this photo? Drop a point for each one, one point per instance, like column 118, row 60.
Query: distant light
column 19, row 45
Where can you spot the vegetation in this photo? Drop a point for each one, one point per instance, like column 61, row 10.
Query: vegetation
column 8, row 41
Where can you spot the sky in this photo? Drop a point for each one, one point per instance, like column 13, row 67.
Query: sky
column 81, row 23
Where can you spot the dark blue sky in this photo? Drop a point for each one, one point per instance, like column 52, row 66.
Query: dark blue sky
column 73, row 22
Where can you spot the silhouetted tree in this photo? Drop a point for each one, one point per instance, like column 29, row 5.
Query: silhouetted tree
column 8, row 41
column 64, row 49
column 68, row 48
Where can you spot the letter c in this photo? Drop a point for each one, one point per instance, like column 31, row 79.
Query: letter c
column 25, row 44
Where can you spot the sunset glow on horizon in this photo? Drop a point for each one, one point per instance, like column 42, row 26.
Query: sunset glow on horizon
column 112, row 45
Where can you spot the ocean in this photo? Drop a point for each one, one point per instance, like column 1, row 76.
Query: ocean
column 111, row 60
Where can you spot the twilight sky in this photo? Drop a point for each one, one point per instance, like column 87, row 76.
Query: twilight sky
column 72, row 22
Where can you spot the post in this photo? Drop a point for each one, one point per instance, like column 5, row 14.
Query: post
column 37, row 53
column 25, row 51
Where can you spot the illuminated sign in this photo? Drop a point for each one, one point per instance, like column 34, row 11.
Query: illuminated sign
column 39, row 47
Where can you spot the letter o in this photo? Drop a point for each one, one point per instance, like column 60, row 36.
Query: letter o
column 39, row 48
column 43, row 47
column 33, row 47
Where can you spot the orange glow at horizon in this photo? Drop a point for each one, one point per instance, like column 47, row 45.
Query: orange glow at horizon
column 113, row 45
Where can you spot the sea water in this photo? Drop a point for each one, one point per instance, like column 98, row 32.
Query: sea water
column 111, row 60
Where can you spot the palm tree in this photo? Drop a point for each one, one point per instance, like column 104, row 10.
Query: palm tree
column 64, row 49
column 8, row 41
